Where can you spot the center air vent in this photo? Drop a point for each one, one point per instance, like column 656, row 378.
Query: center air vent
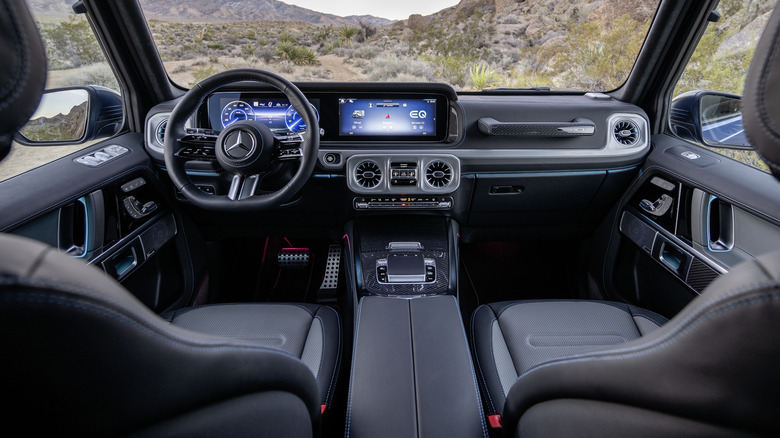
column 438, row 174
column 626, row 132
column 368, row 174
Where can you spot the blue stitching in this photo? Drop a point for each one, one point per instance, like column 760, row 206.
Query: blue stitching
column 476, row 359
column 668, row 338
column 352, row 370
column 480, row 411
column 336, row 366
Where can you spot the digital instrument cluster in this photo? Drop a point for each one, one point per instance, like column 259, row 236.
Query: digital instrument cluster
column 276, row 113
column 356, row 117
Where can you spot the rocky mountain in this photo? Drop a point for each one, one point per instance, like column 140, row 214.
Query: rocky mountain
column 60, row 127
column 246, row 10
column 217, row 10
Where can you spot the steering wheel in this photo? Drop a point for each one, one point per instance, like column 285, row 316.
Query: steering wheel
column 247, row 149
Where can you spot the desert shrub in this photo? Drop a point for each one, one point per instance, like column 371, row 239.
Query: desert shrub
column 594, row 58
column 202, row 73
column 285, row 38
column 314, row 73
column 298, row 55
column 510, row 19
column 346, row 33
column 248, row 50
column 392, row 67
column 181, row 68
column 451, row 69
column 483, row 77
column 286, row 67
column 93, row 74
column 266, row 53
column 707, row 71
column 365, row 32
column 70, row 44
column 365, row 52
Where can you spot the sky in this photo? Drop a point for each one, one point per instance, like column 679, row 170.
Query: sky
column 60, row 102
column 392, row 9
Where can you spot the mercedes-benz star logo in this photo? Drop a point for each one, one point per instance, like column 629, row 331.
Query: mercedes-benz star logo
column 239, row 144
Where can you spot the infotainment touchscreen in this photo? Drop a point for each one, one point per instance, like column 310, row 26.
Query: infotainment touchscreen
column 387, row 117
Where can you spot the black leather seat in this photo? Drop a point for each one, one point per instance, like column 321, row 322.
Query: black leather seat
column 600, row 369
column 512, row 337
column 82, row 356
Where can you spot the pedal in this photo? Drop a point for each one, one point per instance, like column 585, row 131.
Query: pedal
column 330, row 281
column 293, row 258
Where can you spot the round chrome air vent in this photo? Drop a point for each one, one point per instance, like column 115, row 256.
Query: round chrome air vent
column 438, row 174
column 368, row 174
column 626, row 132
column 159, row 132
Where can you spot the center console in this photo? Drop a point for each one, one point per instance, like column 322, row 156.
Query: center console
column 411, row 373
column 406, row 256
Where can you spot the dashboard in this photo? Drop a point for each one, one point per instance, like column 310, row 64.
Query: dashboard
column 401, row 146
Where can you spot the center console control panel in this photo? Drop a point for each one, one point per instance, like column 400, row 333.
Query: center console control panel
column 403, row 202
column 374, row 174
column 406, row 268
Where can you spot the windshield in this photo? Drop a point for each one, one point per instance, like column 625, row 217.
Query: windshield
column 472, row 45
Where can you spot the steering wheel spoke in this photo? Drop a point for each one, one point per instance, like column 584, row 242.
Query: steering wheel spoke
column 242, row 187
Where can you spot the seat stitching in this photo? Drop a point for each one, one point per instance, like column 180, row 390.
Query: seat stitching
column 476, row 359
column 338, row 353
column 678, row 332
column 352, row 370
column 471, row 368
column 631, row 315
column 309, row 311
column 646, row 318
column 493, row 355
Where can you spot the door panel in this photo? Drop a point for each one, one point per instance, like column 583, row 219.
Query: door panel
column 115, row 215
column 690, row 217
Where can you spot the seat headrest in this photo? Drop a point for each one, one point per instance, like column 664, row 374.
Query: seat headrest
column 761, row 97
column 22, row 69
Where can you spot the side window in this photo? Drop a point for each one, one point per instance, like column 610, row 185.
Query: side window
column 80, row 86
column 705, row 107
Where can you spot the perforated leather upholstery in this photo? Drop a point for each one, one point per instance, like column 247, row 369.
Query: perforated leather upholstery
column 96, row 361
column 513, row 337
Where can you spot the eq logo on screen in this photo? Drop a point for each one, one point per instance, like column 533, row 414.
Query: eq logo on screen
column 418, row 114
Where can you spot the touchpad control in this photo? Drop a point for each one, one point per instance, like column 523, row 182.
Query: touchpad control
column 406, row 268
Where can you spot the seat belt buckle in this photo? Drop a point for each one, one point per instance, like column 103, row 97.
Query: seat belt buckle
column 495, row 421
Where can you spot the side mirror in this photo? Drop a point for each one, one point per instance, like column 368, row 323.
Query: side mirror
column 73, row 115
column 710, row 118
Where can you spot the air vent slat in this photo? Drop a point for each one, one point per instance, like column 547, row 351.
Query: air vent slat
column 368, row 174
column 438, row 174
column 626, row 132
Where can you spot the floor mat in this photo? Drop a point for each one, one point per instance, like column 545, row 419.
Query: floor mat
column 500, row 271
